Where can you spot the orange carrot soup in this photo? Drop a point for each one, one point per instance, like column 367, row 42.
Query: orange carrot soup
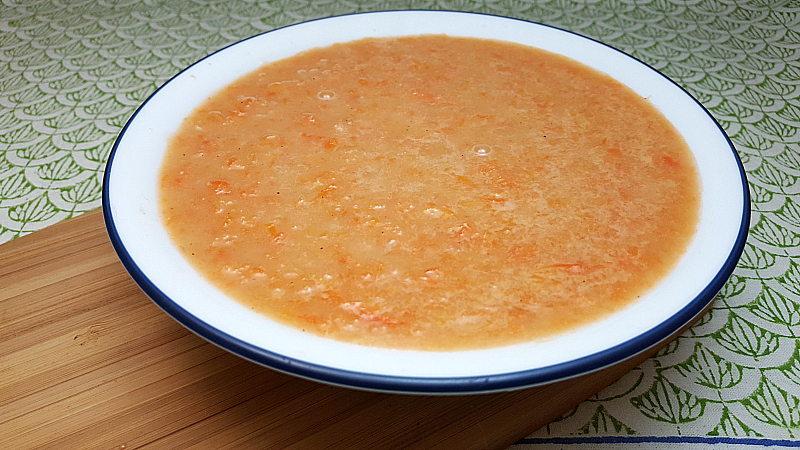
column 430, row 192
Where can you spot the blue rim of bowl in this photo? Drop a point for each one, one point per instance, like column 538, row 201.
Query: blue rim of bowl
column 435, row 385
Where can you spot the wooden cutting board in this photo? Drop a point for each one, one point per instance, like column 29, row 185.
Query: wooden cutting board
column 88, row 361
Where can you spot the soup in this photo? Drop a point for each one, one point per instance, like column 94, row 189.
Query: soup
column 430, row 192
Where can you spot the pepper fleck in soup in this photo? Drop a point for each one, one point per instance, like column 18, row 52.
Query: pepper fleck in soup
column 430, row 192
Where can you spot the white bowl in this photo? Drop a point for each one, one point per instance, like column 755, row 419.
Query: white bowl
column 132, row 217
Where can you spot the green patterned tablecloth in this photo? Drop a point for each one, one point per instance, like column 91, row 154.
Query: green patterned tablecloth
column 73, row 71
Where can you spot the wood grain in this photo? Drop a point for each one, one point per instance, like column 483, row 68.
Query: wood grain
column 88, row 361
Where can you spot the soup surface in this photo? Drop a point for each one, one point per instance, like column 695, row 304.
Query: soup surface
column 430, row 192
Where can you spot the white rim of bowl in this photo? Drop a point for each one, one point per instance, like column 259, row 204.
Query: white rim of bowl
column 132, row 219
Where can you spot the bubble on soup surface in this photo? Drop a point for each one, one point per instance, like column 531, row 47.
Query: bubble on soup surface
column 482, row 149
column 326, row 95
